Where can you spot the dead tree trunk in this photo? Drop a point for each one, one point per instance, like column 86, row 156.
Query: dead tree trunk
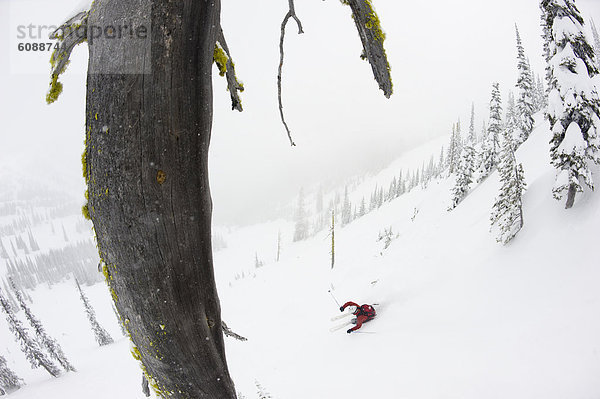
column 571, row 196
column 149, row 117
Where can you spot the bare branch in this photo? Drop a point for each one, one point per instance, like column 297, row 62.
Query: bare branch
column 229, row 333
column 291, row 14
column 233, row 85
column 69, row 35
column 372, row 37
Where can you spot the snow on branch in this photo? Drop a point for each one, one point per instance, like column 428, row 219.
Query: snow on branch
column 372, row 37
column 222, row 58
column 291, row 14
column 69, row 34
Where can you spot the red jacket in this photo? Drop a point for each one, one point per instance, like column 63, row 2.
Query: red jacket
column 363, row 314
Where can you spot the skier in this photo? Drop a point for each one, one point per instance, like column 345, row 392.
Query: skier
column 363, row 314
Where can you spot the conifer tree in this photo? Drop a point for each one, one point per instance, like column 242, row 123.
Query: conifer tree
column 50, row 344
column 431, row 169
column 525, row 95
column 574, row 104
column 393, row 189
column 301, row 228
column 491, row 147
column 101, row 335
column 464, row 176
column 540, row 94
column 465, row 172
column 29, row 346
column 453, row 151
column 363, row 207
column 32, row 242
column 596, row 37
column 484, row 133
column 9, row 381
column 278, row 246
column 346, row 208
column 11, row 300
column 472, row 138
column 257, row 262
column 3, row 251
column 507, row 212
column 512, row 117
column 459, row 144
column 262, row 392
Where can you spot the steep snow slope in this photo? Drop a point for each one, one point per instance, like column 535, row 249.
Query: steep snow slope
column 459, row 316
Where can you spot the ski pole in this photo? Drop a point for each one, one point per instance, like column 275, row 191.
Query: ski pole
column 336, row 301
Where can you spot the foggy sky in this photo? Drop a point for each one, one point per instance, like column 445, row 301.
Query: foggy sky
column 444, row 56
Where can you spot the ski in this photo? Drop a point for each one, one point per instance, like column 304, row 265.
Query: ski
column 339, row 327
column 341, row 316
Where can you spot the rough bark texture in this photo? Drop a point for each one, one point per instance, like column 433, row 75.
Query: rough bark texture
column 146, row 165
column 372, row 38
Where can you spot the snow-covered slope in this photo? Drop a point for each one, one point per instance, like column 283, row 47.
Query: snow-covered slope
column 459, row 315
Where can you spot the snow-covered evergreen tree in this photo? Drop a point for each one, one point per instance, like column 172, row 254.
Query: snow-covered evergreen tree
column 101, row 335
column 507, row 212
column 464, row 177
column 346, row 208
column 3, row 251
column 484, row 133
column 363, row 207
column 11, row 299
column 472, row 138
column 525, row 97
column 262, row 392
column 574, row 104
column 301, row 228
column 29, row 346
column 442, row 161
column 258, row 263
column 512, row 118
column 32, row 242
column 50, row 344
column 596, row 37
column 540, row 96
column 491, row 146
column 454, row 149
column 459, row 141
column 9, row 381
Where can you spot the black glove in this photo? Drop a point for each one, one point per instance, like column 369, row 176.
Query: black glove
column 349, row 331
column 341, row 308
